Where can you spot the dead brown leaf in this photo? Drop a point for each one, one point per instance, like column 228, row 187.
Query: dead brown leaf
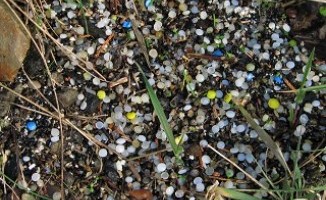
column 14, row 43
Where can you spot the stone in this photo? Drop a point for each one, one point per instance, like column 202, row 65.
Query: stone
column 67, row 97
column 14, row 43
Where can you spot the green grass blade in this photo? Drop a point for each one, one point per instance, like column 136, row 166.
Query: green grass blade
column 161, row 115
column 301, row 93
column 314, row 88
column 233, row 194
column 266, row 138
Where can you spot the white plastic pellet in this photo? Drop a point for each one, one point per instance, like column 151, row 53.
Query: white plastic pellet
column 271, row 25
column 206, row 159
column 99, row 125
column 169, row 190
column 290, row 64
column 215, row 129
column 120, row 148
column 203, row 143
column 249, row 158
column 316, row 103
column 102, row 153
column 204, row 101
column 131, row 149
column 56, row 196
column 240, row 175
column 107, row 56
column 55, row 139
column 220, row 145
column 203, row 15
column 96, row 81
column 228, row 184
column 80, row 96
column 153, row 53
column 303, row 119
column 157, row 26
column 141, row 138
column 120, row 141
column 253, row 134
column 300, row 130
column 234, row 150
column 179, row 193
column 145, row 98
column 26, row 158
column 286, row 27
column 239, row 82
column 306, row 147
column 35, row 177
column 241, row 128
column 200, row 78
column 199, row 32
column 241, row 157
column 165, row 175
column 55, row 132
column 230, row 113
column 172, row 14
column 198, row 180
column 161, row 167
column 307, row 107
column 200, row 187
column 129, row 179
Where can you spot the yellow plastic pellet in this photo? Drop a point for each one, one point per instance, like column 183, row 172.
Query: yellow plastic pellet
column 101, row 94
column 273, row 103
column 228, row 97
column 131, row 115
column 178, row 139
column 211, row 94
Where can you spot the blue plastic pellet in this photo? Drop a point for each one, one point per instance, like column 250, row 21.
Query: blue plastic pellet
column 31, row 125
column 250, row 76
column 278, row 79
column 148, row 3
column 218, row 53
column 127, row 24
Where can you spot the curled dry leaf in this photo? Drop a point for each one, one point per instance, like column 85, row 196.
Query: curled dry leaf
column 14, row 43
column 141, row 194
